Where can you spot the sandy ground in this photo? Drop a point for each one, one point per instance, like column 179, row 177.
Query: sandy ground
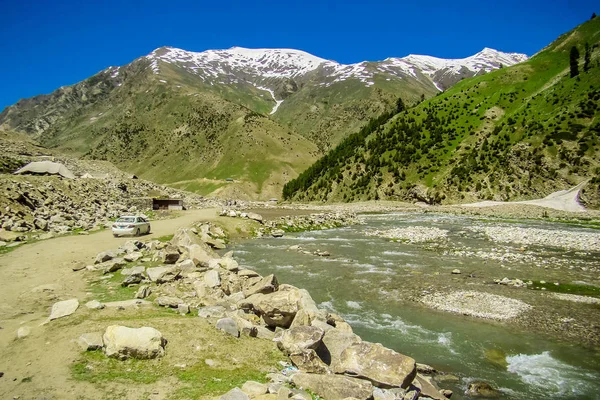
column 35, row 276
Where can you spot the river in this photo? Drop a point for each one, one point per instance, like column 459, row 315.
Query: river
column 373, row 283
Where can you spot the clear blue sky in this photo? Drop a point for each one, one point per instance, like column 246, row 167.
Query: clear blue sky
column 45, row 44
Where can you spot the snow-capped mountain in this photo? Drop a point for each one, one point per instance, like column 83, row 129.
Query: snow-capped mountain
column 258, row 66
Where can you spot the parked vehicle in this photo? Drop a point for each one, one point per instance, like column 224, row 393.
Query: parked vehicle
column 130, row 225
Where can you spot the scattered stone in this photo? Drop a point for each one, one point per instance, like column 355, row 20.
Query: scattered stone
column 253, row 389
column 309, row 361
column 23, row 332
column 133, row 303
column 104, row 256
column 299, row 339
column 168, row 301
column 268, row 284
column 382, row 366
column 63, row 309
column 229, row 326
column 277, row 233
column 94, row 305
column 456, row 271
column 235, row 394
column 90, row 341
column 212, row 312
column 183, row 309
column 133, row 270
column 334, row 387
column 132, row 257
column 143, row 292
column 212, row 279
column 142, row 343
column 132, row 280
column 171, row 255
column 255, row 217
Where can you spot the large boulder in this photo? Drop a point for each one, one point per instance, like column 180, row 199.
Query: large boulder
column 63, row 308
column 309, row 361
column 268, row 284
column 168, row 301
column 200, row 255
column 333, row 387
column 335, row 342
column 228, row 325
column 235, row 394
column 163, row 274
column 296, row 340
column 382, row 366
column 276, row 309
column 142, row 343
column 170, row 255
column 212, row 279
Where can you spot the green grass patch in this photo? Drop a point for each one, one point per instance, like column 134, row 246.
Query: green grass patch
column 95, row 367
column 110, row 289
column 164, row 239
column 201, row 380
column 568, row 288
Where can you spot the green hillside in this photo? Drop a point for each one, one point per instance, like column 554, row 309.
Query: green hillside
column 515, row 133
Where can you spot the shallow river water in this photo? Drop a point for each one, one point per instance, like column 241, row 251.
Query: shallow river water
column 369, row 281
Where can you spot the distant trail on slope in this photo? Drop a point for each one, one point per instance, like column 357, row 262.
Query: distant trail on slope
column 563, row 200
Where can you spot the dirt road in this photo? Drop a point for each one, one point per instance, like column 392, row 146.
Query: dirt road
column 34, row 276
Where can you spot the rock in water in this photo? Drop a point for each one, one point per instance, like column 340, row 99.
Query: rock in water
column 482, row 389
column 334, row 387
column 63, row 308
column 382, row 366
column 142, row 343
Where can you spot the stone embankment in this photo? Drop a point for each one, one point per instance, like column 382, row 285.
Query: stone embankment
column 296, row 223
column 325, row 356
column 53, row 205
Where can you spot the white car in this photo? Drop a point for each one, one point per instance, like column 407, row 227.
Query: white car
column 130, row 225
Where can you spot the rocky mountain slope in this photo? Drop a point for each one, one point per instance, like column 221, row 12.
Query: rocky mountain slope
column 512, row 134
column 257, row 116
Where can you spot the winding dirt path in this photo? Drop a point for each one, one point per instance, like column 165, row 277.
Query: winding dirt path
column 33, row 277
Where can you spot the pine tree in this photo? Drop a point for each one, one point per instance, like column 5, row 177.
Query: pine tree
column 400, row 105
column 586, row 58
column 574, row 61
column 593, row 15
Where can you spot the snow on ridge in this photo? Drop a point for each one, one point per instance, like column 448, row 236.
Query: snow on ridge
column 261, row 64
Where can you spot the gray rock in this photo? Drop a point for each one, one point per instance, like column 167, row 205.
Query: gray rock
column 212, row 279
column 253, row 389
column 90, row 341
column 277, row 233
column 299, row 339
column 229, row 326
column 284, row 393
column 336, row 341
column 276, row 309
column 229, row 264
column 23, row 332
column 456, row 271
column 143, row 292
column 334, row 387
column 133, row 270
column 481, row 389
column 168, row 301
column 104, row 256
column 63, row 309
column 183, row 309
column 132, row 280
column 170, row 255
column 428, row 389
column 212, row 312
column 163, row 274
column 41, row 224
column 255, row 217
column 113, row 265
column 248, row 273
column 235, row 394
column 94, row 305
column 309, row 361
column 142, row 343
column 132, row 257
column 382, row 366
column 268, row 284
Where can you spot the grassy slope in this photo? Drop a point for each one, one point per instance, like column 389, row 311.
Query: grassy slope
column 514, row 133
